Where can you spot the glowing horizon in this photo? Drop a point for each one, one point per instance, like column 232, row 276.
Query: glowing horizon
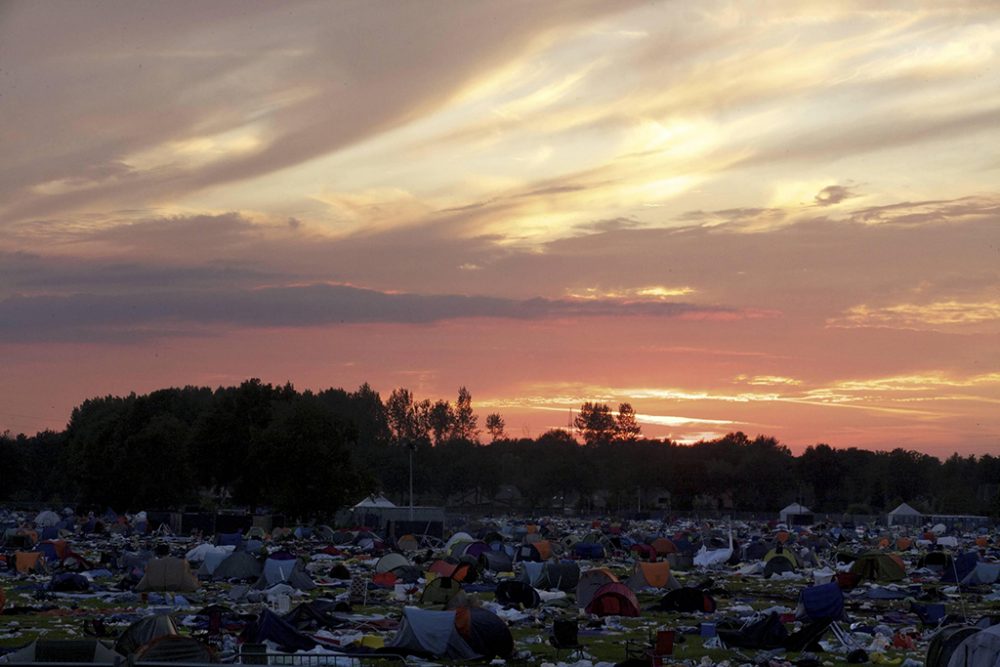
column 779, row 220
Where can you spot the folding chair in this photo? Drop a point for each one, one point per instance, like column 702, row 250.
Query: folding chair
column 564, row 636
column 662, row 647
column 659, row 647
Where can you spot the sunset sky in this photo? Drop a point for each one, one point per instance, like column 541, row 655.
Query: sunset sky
column 774, row 217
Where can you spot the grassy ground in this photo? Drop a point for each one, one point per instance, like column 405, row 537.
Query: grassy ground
column 605, row 643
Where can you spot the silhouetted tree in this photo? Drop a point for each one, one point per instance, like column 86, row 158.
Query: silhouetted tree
column 627, row 429
column 442, row 420
column 466, row 422
column 495, row 426
column 595, row 423
column 305, row 451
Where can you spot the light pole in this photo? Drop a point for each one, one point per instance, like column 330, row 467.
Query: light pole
column 412, row 446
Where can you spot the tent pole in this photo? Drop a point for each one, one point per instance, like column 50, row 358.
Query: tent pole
column 411, row 484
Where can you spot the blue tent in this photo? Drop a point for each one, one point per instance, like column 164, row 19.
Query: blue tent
column 431, row 633
column 588, row 550
column 229, row 539
column 823, row 602
column 961, row 567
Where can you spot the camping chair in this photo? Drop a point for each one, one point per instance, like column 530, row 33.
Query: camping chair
column 359, row 591
column 806, row 638
column 655, row 650
column 564, row 637
column 845, row 639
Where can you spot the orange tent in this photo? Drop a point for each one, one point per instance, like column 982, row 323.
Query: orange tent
column 663, row 546
column 26, row 561
column 656, row 574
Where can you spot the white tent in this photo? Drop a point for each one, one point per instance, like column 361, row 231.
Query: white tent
column 788, row 514
column 904, row 514
column 375, row 501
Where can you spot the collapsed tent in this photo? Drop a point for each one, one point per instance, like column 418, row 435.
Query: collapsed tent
column 686, row 600
column 614, row 599
column 765, row 632
column 273, row 628
column 168, row 574
column 430, row 634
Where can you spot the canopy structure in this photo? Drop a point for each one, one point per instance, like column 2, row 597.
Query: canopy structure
column 904, row 515
column 796, row 514
column 375, row 501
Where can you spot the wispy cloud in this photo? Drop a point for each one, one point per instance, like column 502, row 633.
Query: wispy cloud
column 934, row 315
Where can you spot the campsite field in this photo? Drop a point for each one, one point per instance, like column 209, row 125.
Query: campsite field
column 619, row 586
column 32, row 614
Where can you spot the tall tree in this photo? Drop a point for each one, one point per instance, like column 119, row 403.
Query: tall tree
column 305, row 449
column 442, row 420
column 595, row 422
column 627, row 429
column 407, row 421
column 466, row 422
column 495, row 426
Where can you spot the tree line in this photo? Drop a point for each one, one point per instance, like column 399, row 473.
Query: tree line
column 307, row 454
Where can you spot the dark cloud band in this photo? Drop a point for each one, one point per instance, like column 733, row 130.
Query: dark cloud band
column 94, row 317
